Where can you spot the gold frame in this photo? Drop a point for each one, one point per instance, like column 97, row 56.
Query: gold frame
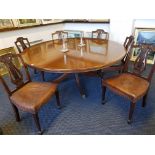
column 28, row 22
column 6, row 23
column 3, row 69
column 140, row 34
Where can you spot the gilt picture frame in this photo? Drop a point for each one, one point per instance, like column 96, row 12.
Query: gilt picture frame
column 144, row 36
column 6, row 23
column 27, row 22
column 3, row 69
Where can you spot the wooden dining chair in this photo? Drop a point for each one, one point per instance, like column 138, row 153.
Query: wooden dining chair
column 59, row 35
column 100, row 34
column 128, row 41
column 23, row 43
column 26, row 95
column 121, row 66
column 132, row 85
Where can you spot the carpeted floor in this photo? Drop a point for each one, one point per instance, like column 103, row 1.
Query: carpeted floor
column 80, row 116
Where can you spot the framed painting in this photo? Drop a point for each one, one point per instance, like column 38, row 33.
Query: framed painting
column 28, row 22
column 3, row 69
column 6, row 23
column 145, row 36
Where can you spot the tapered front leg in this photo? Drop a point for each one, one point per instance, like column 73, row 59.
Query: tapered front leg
column 43, row 75
column 36, row 119
column 103, row 94
column 132, row 107
column 58, row 99
column 144, row 100
column 35, row 71
column 16, row 112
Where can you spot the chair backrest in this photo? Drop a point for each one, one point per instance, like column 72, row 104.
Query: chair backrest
column 22, row 43
column 140, row 63
column 126, row 58
column 100, row 34
column 60, row 35
column 128, row 41
column 128, row 44
column 15, row 74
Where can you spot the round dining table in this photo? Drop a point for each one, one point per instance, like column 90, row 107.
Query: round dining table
column 73, row 56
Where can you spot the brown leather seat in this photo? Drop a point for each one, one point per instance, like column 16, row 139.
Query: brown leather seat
column 132, row 84
column 33, row 95
column 133, row 87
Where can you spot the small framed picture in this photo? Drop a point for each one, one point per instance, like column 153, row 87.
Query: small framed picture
column 3, row 69
column 28, row 22
column 145, row 36
column 6, row 23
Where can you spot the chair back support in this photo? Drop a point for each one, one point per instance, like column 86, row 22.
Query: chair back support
column 22, row 43
column 59, row 34
column 99, row 33
column 140, row 63
column 128, row 44
column 127, row 56
column 16, row 76
column 128, row 41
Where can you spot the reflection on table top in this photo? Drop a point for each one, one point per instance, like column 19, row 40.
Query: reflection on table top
column 96, row 54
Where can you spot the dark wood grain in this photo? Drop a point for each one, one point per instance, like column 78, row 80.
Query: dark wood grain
column 96, row 54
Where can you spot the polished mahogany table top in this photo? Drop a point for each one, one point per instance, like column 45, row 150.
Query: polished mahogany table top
column 96, row 54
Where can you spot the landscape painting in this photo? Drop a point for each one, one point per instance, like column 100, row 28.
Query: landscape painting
column 144, row 36
column 5, row 23
column 28, row 22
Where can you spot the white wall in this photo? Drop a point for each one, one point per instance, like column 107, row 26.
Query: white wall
column 87, row 27
column 7, row 39
column 118, row 29
column 144, row 23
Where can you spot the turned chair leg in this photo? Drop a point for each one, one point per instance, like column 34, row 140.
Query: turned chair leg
column 43, row 75
column 16, row 112
column 79, row 86
column 103, row 94
column 58, row 99
column 36, row 119
column 132, row 107
column 144, row 100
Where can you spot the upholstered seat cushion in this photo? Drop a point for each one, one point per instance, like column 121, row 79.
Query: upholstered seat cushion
column 128, row 85
column 33, row 95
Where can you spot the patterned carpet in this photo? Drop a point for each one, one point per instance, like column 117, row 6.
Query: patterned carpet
column 80, row 116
